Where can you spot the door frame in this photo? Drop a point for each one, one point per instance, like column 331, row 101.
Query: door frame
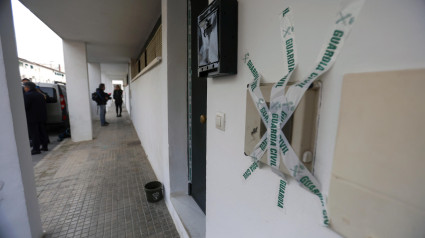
column 193, row 12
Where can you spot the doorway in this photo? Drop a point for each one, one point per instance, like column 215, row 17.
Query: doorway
column 197, row 113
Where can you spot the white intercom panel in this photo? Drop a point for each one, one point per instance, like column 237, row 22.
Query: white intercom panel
column 301, row 129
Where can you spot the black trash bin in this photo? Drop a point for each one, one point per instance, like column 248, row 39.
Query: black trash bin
column 154, row 191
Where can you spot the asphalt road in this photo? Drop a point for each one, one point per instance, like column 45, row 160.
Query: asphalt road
column 53, row 132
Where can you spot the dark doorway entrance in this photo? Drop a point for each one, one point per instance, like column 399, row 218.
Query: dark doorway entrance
column 197, row 98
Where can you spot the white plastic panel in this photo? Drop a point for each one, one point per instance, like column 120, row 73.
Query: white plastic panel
column 377, row 186
column 301, row 130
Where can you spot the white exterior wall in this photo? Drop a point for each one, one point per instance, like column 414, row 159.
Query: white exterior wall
column 94, row 81
column 19, row 211
column 78, row 90
column 149, row 113
column 388, row 35
column 149, row 117
column 126, row 90
column 107, row 81
column 158, row 107
column 108, row 85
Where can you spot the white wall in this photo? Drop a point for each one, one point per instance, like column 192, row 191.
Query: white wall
column 149, row 117
column 94, row 81
column 158, row 106
column 388, row 35
column 127, row 90
column 19, row 211
column 105, row 79
column 79, row 98
column 127, row 104
column 177, row 92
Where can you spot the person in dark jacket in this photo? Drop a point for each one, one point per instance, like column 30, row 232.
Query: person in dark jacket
column 101, row 102
column 118, row 99
column 35, row 108
column 24, row 80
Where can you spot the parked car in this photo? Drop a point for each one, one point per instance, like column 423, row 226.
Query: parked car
column 57, row 103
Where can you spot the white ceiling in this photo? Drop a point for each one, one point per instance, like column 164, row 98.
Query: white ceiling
column 114, row 30
column 114, row 71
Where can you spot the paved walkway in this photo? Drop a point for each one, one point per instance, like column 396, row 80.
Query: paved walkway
column 53, row 132
column 95, row 188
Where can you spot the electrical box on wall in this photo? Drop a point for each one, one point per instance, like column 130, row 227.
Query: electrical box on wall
column 300, row 130
column 218, row 39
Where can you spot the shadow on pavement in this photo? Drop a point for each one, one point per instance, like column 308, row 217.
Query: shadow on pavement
column 53, row 131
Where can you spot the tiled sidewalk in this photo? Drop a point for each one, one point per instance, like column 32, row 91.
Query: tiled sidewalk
column 95, row 188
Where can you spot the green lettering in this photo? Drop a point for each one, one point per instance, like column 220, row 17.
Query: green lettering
column 326, row 59
column 329, row 53
column 319, row 67
column 338, row 33
column 285, row 12
column 335, row 40
column 331, row 46
column 246, row 174
column 273, row 156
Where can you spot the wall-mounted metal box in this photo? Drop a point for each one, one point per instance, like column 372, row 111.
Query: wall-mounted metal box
column 300, row 130
column 218, row 39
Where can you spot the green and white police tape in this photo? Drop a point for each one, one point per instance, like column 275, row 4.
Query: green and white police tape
column 283, row 105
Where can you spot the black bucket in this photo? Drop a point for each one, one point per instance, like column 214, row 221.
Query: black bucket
column 154, row 191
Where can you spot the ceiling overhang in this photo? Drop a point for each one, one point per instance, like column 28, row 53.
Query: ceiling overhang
column 114, row 30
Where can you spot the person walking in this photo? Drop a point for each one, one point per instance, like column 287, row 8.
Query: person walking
column 36, row 112
column 101, row 102
column 118, row 99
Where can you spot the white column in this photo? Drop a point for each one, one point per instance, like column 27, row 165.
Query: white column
column 19, row 211
column 78, row 90
column 94, row 81
column 174, row 41
column 108, row 84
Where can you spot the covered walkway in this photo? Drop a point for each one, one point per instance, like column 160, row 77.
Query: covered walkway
column 95, row 188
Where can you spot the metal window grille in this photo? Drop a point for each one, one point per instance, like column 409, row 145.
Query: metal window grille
column 154, row 48
column 142, row 61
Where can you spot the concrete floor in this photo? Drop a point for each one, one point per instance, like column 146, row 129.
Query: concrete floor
column 53, row 132
column 95, row 188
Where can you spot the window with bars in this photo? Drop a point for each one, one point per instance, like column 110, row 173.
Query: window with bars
column 152, row 50
column 142, row 61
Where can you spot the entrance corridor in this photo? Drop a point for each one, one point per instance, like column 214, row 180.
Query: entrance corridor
column 95, row 188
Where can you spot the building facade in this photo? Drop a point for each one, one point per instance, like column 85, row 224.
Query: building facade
column 39, row 73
